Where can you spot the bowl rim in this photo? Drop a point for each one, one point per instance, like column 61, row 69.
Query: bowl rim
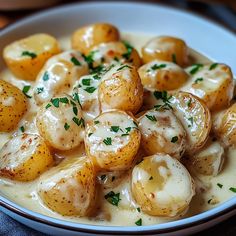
column 184, row 223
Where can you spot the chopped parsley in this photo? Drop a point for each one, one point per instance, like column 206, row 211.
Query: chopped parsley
column 45, row 76
column 198, row 80
column 79, row 121
column 135, row 124
column 195, row 68
column 174, row 58
column 90, row 89
column 209, row 201
column 191, row 120
column 55, row 102
column 103, row 177
column 115, row 128
column 89, row 58
column 75, row 110
column 232, row 189
column 96, row 122
column 29, row 54
column 129, row 50
column 151, row 117
column 96, row 77
column 151, row 178
column 75, row 61
column 122, row 67
column 22, row 129
column 66, row 126
column 174, row 139
column 219, row 185
column 26, row 90
column 64, row 100
column 90, row 134
column 138, row 209
column 75, row 97
column 189, row 102
column 213, row 66
column 113, row 198
column 107, row 141
column 163, row 95
column 86, row 82
column 156, row 67
column 139, row 222
column 39, row 90
column 48, row 105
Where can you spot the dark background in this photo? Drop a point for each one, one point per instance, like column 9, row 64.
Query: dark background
column 222, row 12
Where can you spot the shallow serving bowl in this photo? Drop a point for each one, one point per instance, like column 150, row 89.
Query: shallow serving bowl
column 209, row 39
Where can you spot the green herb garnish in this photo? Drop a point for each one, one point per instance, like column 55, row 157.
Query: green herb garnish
column 195, row 68
column 90, row 89
column 174, row 58
column 22, row 129
column 66, row 126
column 86, row 82
column 45, row 76
column 107, row 141
column 79, row 121
column 39, row 90
column 151, row 117
column 198, row 80
column 129, row 50
column 26, row 90
column 139, row 222
column 213, row 66
column 124, row 66
column 219, row 185
column 232, row 189
column 115, row 128
column 113, row 198
column 55, row 102
column 75, row 61
column 156, row 67
column 174, row 139
column 29, row 54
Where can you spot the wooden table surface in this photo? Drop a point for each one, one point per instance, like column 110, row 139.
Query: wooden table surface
column 227, row 228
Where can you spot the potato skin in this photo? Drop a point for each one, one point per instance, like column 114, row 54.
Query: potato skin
column 13, row 105
column 89, row 36
column 162, row 75
column 24, row 157
column 62, row 126
column 224, row 126
column 121, row 88
column 166, row 48
column 162, row 186
column 121, row 152
column 213, row 84
column 165, row 134
column 69, row 188
column 26, row 67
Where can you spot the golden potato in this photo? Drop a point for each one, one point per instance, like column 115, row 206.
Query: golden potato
column 112, row 140
column 162, row 75
column 69, row 188
column 162, row 186
column 26, row 57
column 13, row 105
column 213, row 83
column 121, row 89
column 162, row 132
column 89, row 36
column 166, row 48
column 60, row 123
column 113, row 53
column 24, row 157
column 58, row 75
column 209, row 160
column 224, row 126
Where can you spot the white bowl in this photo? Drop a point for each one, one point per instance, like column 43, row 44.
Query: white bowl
column 208, row 38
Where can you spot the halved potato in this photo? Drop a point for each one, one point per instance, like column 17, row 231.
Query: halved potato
column 166, row 48
column 162, row 75
column 83, row 39
column 112, row 140
column 224, row 126
column 58, row 75
column 209, row 160
column 162, row 132
column 13, row 105
column 60, row 123
column 26, row 57
column 121, row 88
column 69, row 188
column 162, row 186
column 113, row 53
column 24, row 157
column 213, row 83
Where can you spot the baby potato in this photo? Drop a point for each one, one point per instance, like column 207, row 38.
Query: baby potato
column 69, row 188
column 58, row 75
column 213, row 83
column 89, row 36
column 162, row 132
column 26, row 57
column 162, row 75
column 224, row 126
column 121, row 88
column 166, row 48
column 60, row 123
column 13, row 105
column 24, row 157
column 209, row 160
column 113, row 53
column 112, row 140
column 162, row 186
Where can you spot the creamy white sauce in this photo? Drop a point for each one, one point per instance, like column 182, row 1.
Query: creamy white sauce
column 25, row 194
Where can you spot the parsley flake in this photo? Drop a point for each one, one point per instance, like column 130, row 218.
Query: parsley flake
column 219, row 185
column 139, row 222
column 45, row 76
column 151, row 178
column 96, row 122
column 66, row 126
column 48, row 105
column 198, row 80
column 174, row 139
column 39, row 90
column 86, row 82
column 191, row 120
column 64, row 100
column 195, row 68
column 75, row 61
column 129, row 50
column 90, row 134
column 232, row 189
column 113, row 198
column 55, row 102
column 22, row 129
column 29, row 54
column 213, row 66
column 124, row 66
column 156, row 67
column 138, row 209
column 90, row 89
column 79, row 121
column 107, row 141
column 174, row 58
column 26, row 90
column 115, row 128
column 151, row 117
